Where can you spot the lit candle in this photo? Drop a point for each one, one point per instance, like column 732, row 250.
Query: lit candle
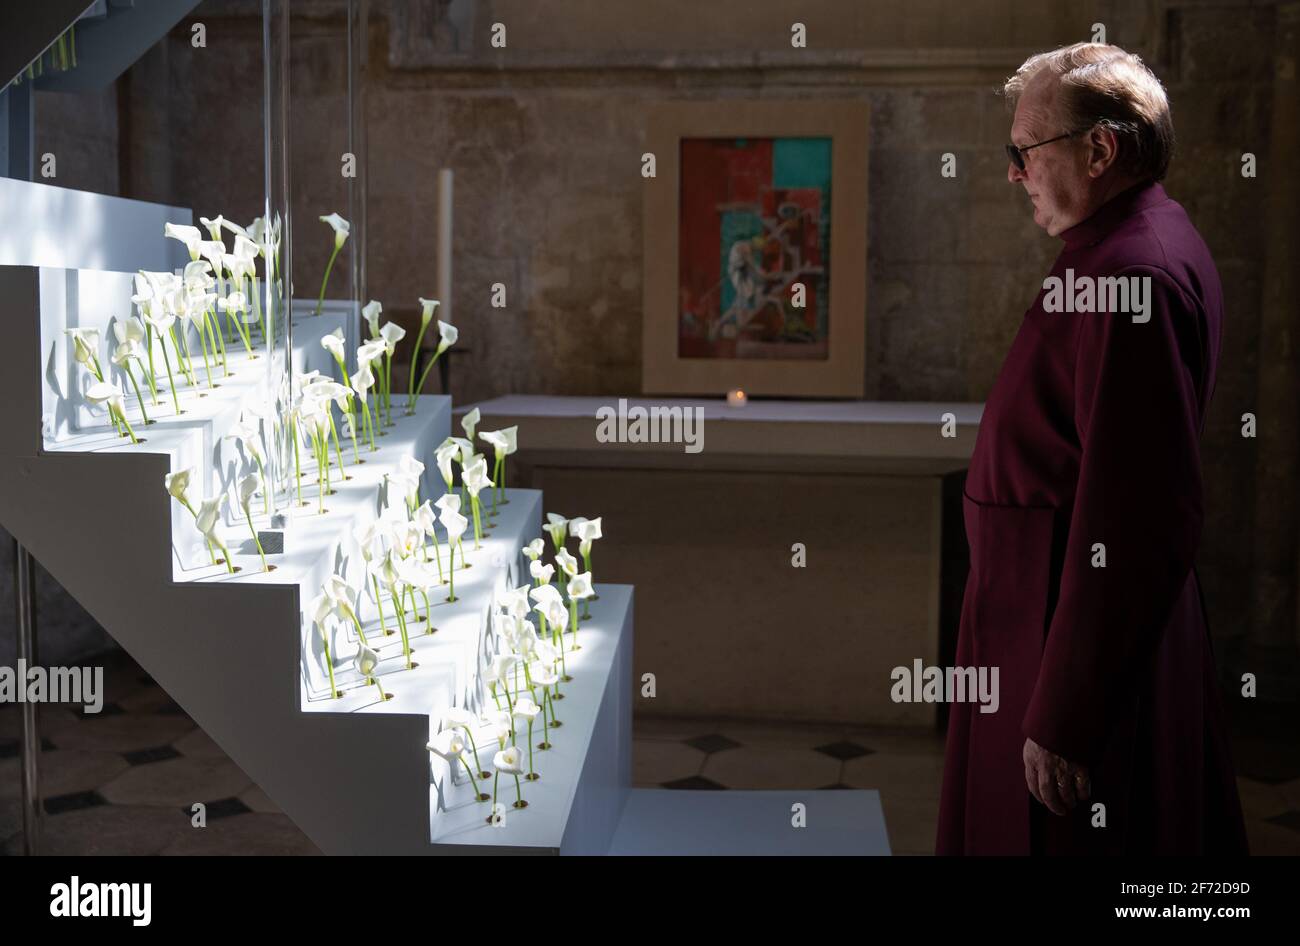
column 736, row 398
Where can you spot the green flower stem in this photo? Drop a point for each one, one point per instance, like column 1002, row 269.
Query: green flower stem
column 138, row 398
column 451, row 578
column 121, row 415
column 473, row 780
column 203, row 340
column 361, row 633
column 388, row 390
column 226, row 552
column 510, row 707
column 415, row 362
column 297, row 463
column 428, row 612
column 473, row 745
column 519, row 796
column 214, row 328
column 320, row 476
column 437, row 553
column 573, row 620
column 420, row 387
column 496, row 480
column 378, row 686
column 334, row 432
column 148, row 344
column 182, row 361
column 329, row 664
column 320, row 300
column 171, row 382
column 257, row 541
column 496, row 777
column 530, row 747
column 257, row 301
column 266, row 484
column 370, row 426
column 478, row 528
column 379, row 602
column 406, row 639
column 242, row 328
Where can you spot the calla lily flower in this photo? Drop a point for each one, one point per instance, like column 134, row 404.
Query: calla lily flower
column 558, row 528
column 340, row 227
column 497, row 440
column 541, row 572
column 568, row 564
column 447, row 335
column 391, row 333
column 475, row 478
column 248, row 488
column 333, row 343
column 370, row 352
column 367, row 662
column 457, row 718
column 544, row 595
column 453, row 522
column 469, row 423
column 427, row 307
column 178, row 485
column 188, row 235
column 455, row 525
column 209, row 515
column 370, row 311
column 580, row 586
column 85, row 348
column 206, row 521
column 450, row 746
column 509, row 760
column 363, row 379
column 320, row 609
column 445, row 453
column 214, row 226
column 448, row 501
column 534, row 549
column 108, row 394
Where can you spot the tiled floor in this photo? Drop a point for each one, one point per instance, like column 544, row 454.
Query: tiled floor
column 124, row 781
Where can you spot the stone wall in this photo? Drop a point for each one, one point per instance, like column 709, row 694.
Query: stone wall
column 545, row 138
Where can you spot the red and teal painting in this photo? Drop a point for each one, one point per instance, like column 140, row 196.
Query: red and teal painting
column 754, row 248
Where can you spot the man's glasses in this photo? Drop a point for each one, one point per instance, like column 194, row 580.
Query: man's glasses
column 1017, row 155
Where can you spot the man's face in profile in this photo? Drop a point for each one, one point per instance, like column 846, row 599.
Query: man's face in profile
column 1056, row 175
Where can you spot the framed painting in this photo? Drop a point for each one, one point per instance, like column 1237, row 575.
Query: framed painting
column 755, row 230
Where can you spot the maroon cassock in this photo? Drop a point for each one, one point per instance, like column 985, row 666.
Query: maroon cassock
column 1088, row 448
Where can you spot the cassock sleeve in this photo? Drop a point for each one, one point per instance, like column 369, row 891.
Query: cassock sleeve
column 1138, row 495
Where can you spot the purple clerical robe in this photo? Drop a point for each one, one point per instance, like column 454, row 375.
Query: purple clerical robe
column 1083, row 513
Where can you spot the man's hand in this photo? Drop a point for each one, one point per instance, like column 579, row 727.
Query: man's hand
column 1058, row 784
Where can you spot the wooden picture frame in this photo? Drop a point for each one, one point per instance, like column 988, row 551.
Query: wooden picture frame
column 822, row 356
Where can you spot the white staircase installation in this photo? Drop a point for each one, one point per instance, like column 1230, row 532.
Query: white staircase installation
column 237, row 651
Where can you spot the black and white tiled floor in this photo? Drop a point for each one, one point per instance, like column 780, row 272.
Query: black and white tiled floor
column 124, row 781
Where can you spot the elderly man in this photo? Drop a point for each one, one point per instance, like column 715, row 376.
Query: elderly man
column 1083, row 502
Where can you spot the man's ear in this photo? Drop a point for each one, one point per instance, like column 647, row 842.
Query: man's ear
column 1103, row 150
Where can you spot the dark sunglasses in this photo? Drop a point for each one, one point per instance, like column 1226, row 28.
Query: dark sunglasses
column 1017, row 155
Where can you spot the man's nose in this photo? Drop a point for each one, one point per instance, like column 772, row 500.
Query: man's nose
column 1014, row 174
